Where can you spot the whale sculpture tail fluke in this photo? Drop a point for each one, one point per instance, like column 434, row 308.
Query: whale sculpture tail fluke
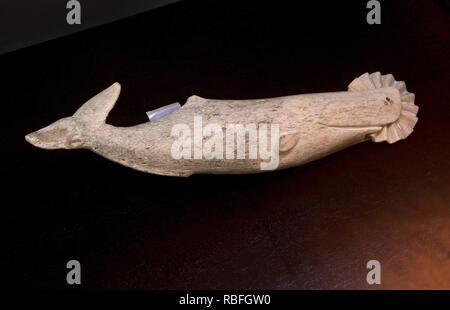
column 68, row 132
column 403, row 126
column 96, row 109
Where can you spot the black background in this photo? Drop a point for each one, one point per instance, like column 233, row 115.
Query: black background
column 313, row 226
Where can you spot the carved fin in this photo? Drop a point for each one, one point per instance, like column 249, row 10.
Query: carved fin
column 96, row 109
column 288, row 142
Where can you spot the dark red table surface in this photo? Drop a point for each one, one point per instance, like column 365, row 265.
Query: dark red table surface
column 313, row 226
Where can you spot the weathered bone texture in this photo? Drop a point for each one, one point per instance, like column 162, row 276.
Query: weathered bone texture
column 310, row 126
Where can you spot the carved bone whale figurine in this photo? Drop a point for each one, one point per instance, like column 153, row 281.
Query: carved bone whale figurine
column 311, row 126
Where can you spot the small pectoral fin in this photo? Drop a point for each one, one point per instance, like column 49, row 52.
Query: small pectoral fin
column 287, row 142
